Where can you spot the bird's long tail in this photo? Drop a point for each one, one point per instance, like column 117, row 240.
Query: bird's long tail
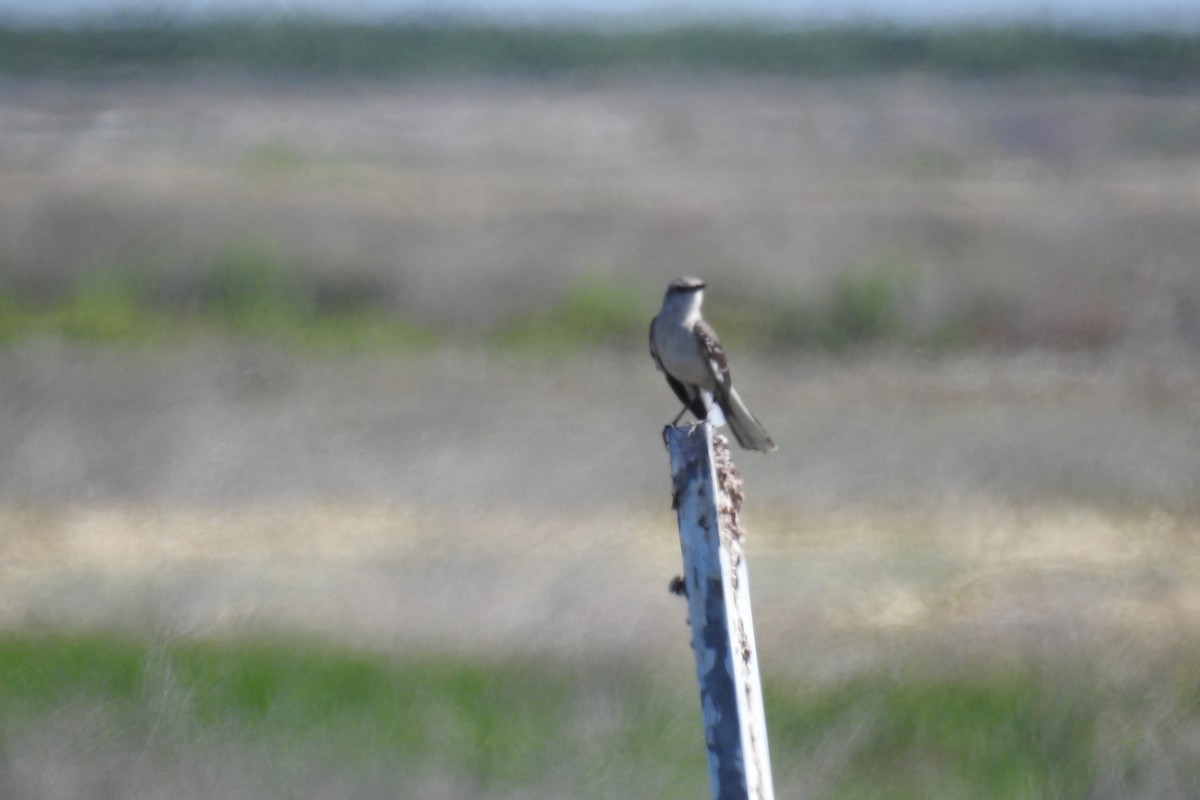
column 745, row 426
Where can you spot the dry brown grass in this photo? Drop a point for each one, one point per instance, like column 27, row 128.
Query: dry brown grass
column 836, row 593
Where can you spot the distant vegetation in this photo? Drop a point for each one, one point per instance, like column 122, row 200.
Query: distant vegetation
column 247, row 292
column 251, row 292
column 314, row 45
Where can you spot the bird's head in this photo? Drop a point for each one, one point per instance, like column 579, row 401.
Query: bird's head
column 685, row 292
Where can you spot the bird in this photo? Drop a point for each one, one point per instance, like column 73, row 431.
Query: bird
column 686, row 349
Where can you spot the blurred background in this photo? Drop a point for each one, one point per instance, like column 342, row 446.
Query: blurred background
column 330, row 456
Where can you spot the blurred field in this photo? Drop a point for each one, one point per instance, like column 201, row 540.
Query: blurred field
column 308, row 380
column 997, row 651
column 1013, row 213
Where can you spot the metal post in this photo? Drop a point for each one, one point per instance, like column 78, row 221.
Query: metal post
column 707, row 495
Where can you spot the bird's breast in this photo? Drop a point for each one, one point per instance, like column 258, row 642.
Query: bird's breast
column 681, row 355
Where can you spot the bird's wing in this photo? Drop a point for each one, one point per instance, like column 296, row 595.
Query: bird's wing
column 714, row 356
column 746, row 428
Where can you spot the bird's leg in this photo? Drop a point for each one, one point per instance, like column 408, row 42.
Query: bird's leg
column 678, row 417
column 673, row 423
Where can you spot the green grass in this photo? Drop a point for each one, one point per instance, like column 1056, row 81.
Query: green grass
column 1006, row 736
column 274, row 158
column 592, row 312
column 313, row 45
column 107, row 307
column 537, row 726
column 496, row 726
column 1031, row 732
column 861, row 308
column 250, row 291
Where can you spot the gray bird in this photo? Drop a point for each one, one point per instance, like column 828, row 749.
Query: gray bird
column 687, row 350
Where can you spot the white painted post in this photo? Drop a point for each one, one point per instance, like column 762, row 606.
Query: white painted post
column 707, row 495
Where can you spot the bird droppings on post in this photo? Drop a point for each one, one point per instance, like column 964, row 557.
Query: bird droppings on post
column 730, row 481
column 729, row 504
